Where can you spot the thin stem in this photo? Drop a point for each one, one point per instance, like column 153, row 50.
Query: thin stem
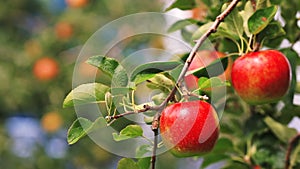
column 200, row 41
column 155, row 126
column 291, row 146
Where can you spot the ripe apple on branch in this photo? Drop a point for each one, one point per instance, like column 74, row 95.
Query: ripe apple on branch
column 192, row 128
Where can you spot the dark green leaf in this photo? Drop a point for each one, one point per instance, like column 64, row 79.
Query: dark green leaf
column 282, row 132
column 130, row 131
column 181, row 24
column 81, row 127
column 183, row 5
column 212, row 158
column 148, row 70
column 216, row 68
column 261, row 18
column 273, row 30
column 292, row 57
column 86, row 93
column 106, row 64
column 127, row 163
column 223, row 145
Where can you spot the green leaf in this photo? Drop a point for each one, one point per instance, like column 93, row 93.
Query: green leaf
column 246, row 13
column 216, row 68
column 181, row 24
column 111, row 67
column 106, row 64
column 283, row 133
column 143, row 149
column 120, row 77
column 261, row 18
column 127, row 163
column 174, row 73
column 295, row 156
column 161, row 82
column 130, row 131
column 86, row 93
column 212, row 158
column 223, row 145
column 273, row 30
column 82, row 126
column 262, row 4
column 186, row 35
column 224, row 30
column 233, row 23
column 183, row 5
column 144, row 163
column 149, row 70
column 206, row 84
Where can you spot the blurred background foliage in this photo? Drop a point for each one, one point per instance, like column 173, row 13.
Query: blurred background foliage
column 33, row 125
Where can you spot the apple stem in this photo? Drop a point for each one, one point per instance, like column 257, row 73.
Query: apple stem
column 291, row 146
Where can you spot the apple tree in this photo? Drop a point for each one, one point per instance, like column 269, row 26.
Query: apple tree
column 234, row 108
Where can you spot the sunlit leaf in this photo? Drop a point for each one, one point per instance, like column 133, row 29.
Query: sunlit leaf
column 181, row 24
column 183, row 5
column 144, row 163
column 82, row 126
column 149, row 70
column 143, row 150
column 262, row 4
column 261, row 18
column 234, row 22
column 106, row 64
column 282, row 132
column 127, row 163
column 130, row 131
column 86, row 93
column 246, row 13
column 206, row 84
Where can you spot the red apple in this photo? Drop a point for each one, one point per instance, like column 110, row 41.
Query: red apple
column 189, row 128
column 204, row 58
column 261, row 77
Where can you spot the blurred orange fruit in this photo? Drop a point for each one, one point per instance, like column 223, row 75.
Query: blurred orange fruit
column 51, row 121
column 63, row 30
column 45, row 69
column 76, row 3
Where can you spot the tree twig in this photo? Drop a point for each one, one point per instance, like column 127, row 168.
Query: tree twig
column 188, row 62
column 291, row 146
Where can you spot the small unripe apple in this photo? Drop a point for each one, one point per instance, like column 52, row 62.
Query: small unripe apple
column 189, row 128
column 261, row 77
